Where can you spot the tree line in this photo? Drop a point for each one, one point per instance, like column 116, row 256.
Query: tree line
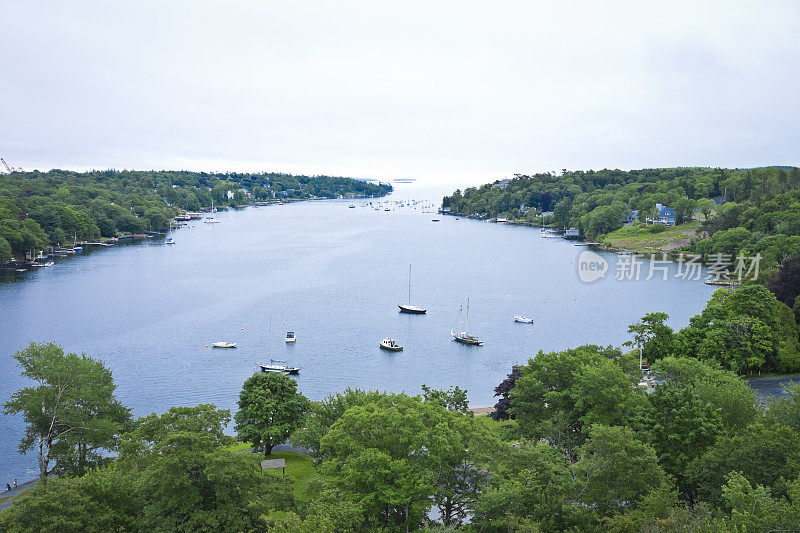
column 758, row 211
column 38, row 209
column 585, row 448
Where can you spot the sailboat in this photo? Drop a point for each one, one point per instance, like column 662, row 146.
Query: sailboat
column 411, row 309
column 211, row 219
column 464, row 337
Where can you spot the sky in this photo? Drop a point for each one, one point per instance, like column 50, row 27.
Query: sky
column 445, row 92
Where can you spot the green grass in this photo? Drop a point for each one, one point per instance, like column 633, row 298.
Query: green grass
column 496, row 426
column 644, row 239
column 300, row 467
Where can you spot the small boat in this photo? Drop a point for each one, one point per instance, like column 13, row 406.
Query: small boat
column 211, row 220
column 224, row 345
column 78, row 249
column 523, row 319
column 351, row 206
column 387, row 209
column 290, row 336
column 49, row 264
column 135, row 236
column 170, row 241
column 280, row 203
column 279, row 368
column 391, row 345
column 434, row 220
column 411, row 309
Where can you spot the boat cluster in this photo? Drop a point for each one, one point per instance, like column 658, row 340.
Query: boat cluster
column 275, row 365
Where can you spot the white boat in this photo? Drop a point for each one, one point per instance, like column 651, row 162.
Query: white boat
column 463, row 337
column 49, row 264
column 170, row 241
column 351, row 206
column 411, row 309
column 224, row 345
column 390, row 345
column 523, row 319
column 290, row 336
column 211, row 219
column 274, row 366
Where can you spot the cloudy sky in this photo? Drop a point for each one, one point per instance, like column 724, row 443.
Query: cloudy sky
column 446, row 92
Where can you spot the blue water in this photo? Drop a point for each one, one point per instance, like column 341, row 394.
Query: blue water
column 333, row 275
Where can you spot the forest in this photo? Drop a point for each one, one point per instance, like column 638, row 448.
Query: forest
column 38, row 209
column 739, row 210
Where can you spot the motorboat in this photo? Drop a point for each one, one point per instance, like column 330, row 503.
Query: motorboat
column 290, row 336
column 390, row 345
column 170, row 241
column 222, row 344
column 276, row 366
column 523, row 319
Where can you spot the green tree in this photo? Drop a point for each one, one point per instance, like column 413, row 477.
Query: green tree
column 681, row 428
column 391, row 455
column 188, row 480
column 270, row 410
column 615, row 469
column 706, row 206
column 71, row 414
column 652, row 336
column 5, row 251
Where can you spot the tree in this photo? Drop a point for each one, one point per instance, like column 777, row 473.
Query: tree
column 391, row 455
column 322, row 415
column 5, row 251
column 71, row 414
column 270, row 410
column 187, row 480
column 684, row 210
column 453, row 399
column 681, row 428
column 765, row 454
column 615, row 469
column 706, row 206
column 652, row 336
column 786, row 285
column 503, row 390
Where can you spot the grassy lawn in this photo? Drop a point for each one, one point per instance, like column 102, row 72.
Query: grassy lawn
column 496, row 426
column 645, row 239
column 300, row 467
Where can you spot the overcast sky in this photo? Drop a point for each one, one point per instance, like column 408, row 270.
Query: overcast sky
column 446, row 92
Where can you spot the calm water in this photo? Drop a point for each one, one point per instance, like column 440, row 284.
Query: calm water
column 334, row 275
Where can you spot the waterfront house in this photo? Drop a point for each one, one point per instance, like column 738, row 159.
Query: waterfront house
column 631, row 217
column 664, row 215
column 500, row 184
column 572, row 233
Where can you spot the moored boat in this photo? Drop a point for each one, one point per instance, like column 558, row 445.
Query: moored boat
column 523, row 319
column 390, row 345
column 170, row 241
column 290, row 336
column 274, row 366
column 223, row 344
column 411, row 309
column 465, row 338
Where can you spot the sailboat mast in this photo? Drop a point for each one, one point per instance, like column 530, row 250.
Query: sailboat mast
column 467, row 313
column 409, row 284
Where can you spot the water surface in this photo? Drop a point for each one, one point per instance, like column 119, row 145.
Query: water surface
column 333, row 275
